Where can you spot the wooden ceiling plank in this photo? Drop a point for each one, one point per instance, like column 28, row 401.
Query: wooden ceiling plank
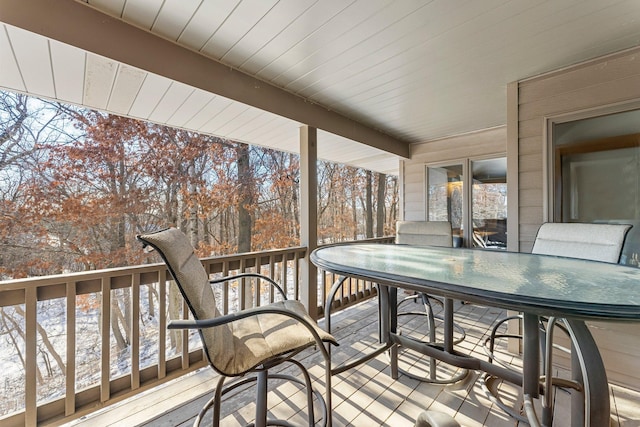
column 187, row 111
column 274, row 22
column 142, row 13
column 300, row 29
column 100, row 74
column 263, row 134
column 329, row 32
column 127, row 84
column 234, row 126
column 260, row 122
column 152, row 90
column 10, row 76
column 368, row 35
column 232, row 111
column 173, row 98
column 243, row 18
column 68, row 72
column 174, row 16
column 205, row 22
column 34, row 61
column 112, row 7
column 210, row 110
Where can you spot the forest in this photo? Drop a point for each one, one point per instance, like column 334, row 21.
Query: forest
column 77, row 185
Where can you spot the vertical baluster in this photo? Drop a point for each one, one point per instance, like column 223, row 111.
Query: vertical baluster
column 70, row 378
column 162, row 308
column 241, row 287
column 285, row 274
column 297, row 273
column 272, row 274
column 135, row 331
column 225, row 288
column 105, row 340
column 185, row 337
column 31, row 306
column 257, row 283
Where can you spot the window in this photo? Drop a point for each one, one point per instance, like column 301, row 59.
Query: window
column 475, row 201
column 597, row 174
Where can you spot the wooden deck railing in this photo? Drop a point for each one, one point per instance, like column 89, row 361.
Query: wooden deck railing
column 58, row 363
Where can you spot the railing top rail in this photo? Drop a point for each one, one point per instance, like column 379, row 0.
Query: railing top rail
column 12, row 291
column 120, row 271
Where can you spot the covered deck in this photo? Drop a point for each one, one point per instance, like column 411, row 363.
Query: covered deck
column 388, row 86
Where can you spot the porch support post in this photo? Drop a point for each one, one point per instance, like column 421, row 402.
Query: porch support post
column 514, row 327
column 309, row 216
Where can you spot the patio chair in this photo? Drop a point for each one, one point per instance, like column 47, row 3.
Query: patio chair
column 589, row 241
column 246, row 344
column 428, row 233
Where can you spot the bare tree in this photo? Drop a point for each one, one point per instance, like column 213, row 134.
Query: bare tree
column 380, row 204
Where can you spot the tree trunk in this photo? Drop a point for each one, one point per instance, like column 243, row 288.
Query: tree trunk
column 354, row 211
column 45, row 340
column 192, row 230
column 245, row 198
column 369, row 206
column 295, row 205
column 245, row 204
column 121, row 341
column 380, row 213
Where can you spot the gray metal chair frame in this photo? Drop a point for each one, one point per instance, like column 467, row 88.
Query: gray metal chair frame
column 286, row 315
column 590, row 241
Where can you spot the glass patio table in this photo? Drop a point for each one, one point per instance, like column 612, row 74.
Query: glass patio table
column 536, row 285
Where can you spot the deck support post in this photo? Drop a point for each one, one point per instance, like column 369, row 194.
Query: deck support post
column 309, row 216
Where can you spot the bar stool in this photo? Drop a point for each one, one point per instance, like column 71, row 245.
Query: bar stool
column 428, row 233
column 590, row 241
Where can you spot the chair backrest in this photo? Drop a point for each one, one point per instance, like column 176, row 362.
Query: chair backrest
column 429, row 233
column 595, row 242
column 193, row 282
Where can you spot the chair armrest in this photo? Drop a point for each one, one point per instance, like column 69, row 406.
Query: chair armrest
column 259, row 276
column 222, row 320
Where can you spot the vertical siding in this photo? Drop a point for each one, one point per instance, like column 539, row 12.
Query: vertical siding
column 488, row 142
column 607, row 81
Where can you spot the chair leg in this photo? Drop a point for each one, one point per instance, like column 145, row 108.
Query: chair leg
column 327, row 393
column 428, row 311
column 215, row 402
column 261, row 398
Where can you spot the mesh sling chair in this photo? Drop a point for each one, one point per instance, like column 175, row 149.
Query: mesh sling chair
column 250, row 341
column 589, row 241
column 428, row 233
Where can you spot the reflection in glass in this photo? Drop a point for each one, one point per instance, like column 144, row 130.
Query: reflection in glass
column 489, row 203
column 445, row 196
column 598, row 179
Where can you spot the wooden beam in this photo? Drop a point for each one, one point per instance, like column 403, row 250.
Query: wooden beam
column 77, row 24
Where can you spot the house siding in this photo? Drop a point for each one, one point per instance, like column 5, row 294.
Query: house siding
column 601, row 83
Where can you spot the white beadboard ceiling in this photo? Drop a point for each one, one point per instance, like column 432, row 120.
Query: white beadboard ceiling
column 409, row 70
